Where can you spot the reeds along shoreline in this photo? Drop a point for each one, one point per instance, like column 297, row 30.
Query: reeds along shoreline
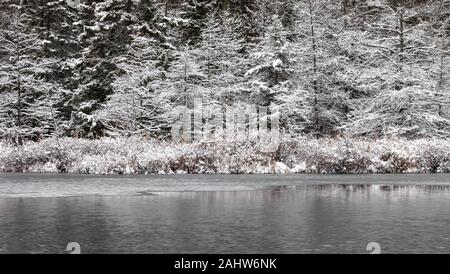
column 142, row 156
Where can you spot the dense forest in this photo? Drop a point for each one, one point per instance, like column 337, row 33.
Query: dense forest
column 93, row 68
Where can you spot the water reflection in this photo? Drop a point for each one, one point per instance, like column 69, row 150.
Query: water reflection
column 320, row 218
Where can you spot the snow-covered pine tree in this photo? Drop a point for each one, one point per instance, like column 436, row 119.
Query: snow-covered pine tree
column 287, row 14
column 185, row 84
column 440, row 25
column 106, row 32
column 337, row 61
column 27, row 99
column 139, row 102
column 399, row 77
column 318, row 55
column 220, row 66
column 248, row 28
column 221, row 59
column 53, row 21
column 274, row 78
column 193, row 13
column 185, row 76
column 271, row 72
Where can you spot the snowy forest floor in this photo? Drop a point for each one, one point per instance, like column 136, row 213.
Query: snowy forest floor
column 142, row 156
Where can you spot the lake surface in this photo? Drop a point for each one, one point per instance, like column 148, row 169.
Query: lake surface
column 225, row 213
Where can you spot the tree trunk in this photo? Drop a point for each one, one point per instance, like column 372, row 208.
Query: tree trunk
column 315, row 88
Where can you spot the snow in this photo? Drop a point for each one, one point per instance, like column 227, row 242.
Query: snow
column 281, row 168
column 277, row 63
column 147, row 156
column 332, row 73
column 299, row 168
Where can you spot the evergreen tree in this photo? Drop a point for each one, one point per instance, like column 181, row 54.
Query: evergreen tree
column 138, row 102
column 402, row 99
column 272, row 69
column 107, row 29
column 362, row 68
column 193, row 14
column 221, row 59
column 27, row 98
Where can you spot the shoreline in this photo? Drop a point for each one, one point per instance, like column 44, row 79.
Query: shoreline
column 148, row 175
column 140, row 156
column 42, row 185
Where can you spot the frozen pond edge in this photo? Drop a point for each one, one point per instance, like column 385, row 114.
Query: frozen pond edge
column 32, row 185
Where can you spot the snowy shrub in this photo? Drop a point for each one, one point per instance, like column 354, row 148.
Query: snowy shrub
column 148, row 156
column 434, row 155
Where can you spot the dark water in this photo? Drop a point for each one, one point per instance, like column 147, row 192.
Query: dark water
column 225, row 214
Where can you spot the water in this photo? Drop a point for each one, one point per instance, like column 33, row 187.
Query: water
column 225, row 213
